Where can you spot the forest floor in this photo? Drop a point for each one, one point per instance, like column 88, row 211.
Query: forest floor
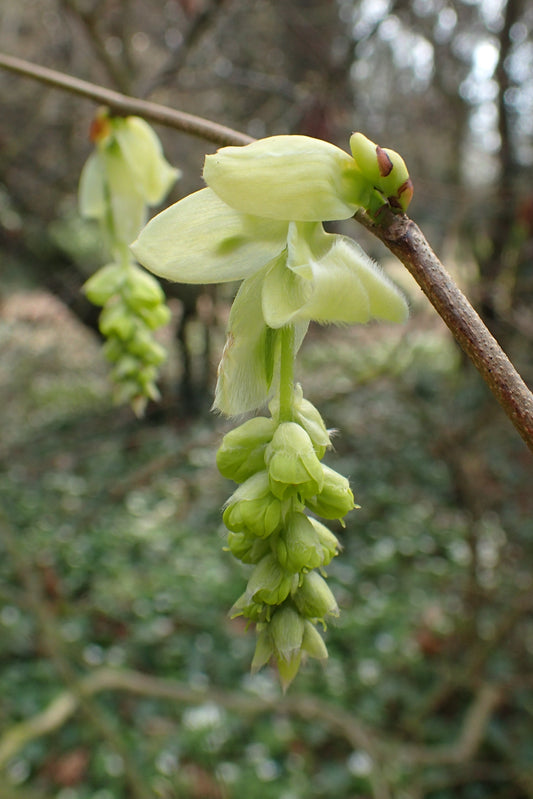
column 114, row 560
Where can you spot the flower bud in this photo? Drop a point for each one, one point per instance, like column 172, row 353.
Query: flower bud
column 286, row 630
column 246, row 607
column 145, row 347
column 329, row 542
column 113, row 349
column 116, row 320
column 314, row 598
column 310, row 419
column 127, row 366
column 142, row 289
column 286, row 633
column 253, row 507
column 293, row 466
column 268, row 582
column 313, row 643
column 385, row 169
column 298, row 547
column 307, row 416
column 335, row 498
column 263, row 650
column 242, row 452
column 155, row 316
column 246, row 547
column 106, row 282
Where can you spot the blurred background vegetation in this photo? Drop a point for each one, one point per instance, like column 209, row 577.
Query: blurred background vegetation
column 111, row 542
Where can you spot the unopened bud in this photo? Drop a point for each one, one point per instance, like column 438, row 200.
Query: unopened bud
column 247, row 547
column 298, row 546
column 142, row 289
column 104, row 284
column 330, row 543
column 116, row 320
column 314, row 598
column 253, row 507
column 385, row 169
column 145, row 347
column 286, row 630
column 155, row 316
column 293, row 466
column 335, row 499
column 308, row 417
column 263, row 650
column 268, row 582
column 242, row 452
column 313, row 643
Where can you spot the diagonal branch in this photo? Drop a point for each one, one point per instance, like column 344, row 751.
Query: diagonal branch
column 400, row 234
column 124, row 105
column 407, row 242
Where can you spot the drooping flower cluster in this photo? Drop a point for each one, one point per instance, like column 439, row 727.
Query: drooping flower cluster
column 123, row 176
column 260, row 221
column 278, row 465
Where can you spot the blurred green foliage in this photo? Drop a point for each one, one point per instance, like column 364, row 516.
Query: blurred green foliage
column 119, row 539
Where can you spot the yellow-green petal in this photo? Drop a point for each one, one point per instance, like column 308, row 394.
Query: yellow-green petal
column 327, row 278
column 200, row 239
column 91, row 192
column 286, row 177
column 128, row 207
column 142, row 150
column 386, row 300
column 243, row 382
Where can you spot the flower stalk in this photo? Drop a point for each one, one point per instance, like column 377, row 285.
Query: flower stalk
column 286, row 373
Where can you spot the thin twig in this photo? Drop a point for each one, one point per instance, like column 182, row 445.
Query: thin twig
column 124, row 105
column 399, row 233
column 470, row 737
column 310, row 708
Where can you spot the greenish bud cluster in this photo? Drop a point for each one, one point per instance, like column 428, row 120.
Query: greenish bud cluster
column 133, row 307
column 123, row 176
column 278, row 465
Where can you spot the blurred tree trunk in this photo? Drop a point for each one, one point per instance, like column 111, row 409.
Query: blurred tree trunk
column 502, row 221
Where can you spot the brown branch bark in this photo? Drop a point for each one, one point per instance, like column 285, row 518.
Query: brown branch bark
column 475, row 722
column 123, row 104
column 399, row 233
column 407, row 242
column 63, row 707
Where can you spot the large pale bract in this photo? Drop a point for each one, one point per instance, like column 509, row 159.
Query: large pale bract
column 260, row 221
column 126, row 173
column 293, row 178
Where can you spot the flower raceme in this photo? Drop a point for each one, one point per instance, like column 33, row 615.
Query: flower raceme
column 125, row 173
column 260, row 221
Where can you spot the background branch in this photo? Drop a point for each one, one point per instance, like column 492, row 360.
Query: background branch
column 400, row 234
column 469, row 738
column 124, row 105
